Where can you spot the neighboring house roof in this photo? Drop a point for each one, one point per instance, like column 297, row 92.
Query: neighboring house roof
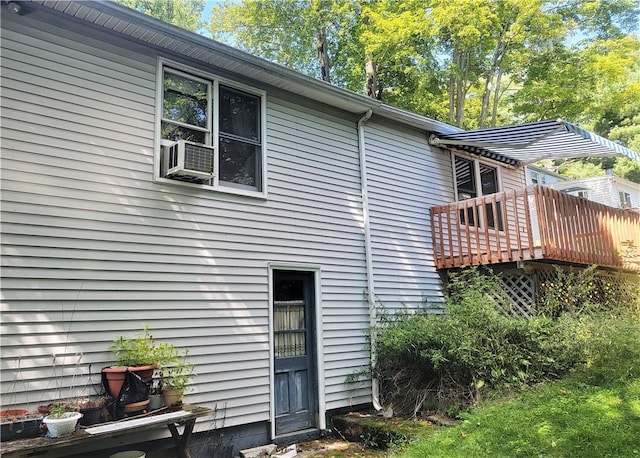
column 623, row 182
column 547, row 172
column 514, row 145
column 526, row 143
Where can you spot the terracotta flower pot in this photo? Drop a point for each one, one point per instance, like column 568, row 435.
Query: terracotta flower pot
column 144, row 372
column 116, row 375
column 13, row 414
column 115, row 379
column 172, row 397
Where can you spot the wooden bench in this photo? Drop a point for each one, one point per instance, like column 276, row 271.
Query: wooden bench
column 93, row 438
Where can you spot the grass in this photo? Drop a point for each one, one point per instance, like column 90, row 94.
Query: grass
column 595, row 412
column 562, row 419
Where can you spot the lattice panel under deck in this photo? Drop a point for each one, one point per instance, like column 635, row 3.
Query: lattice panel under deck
column 521, row 289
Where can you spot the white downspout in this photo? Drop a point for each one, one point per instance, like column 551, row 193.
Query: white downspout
column 371, row 299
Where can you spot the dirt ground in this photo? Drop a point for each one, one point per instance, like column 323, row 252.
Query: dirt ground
column 330, row 447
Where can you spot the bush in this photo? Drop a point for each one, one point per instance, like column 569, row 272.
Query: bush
column 474, row 345
column 613, row 348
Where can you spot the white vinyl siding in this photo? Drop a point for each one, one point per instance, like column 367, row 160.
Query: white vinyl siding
column 405, row 178
column 93, row 248
column 603, row 189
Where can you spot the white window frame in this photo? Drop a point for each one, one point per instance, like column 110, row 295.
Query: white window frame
column 625, row 199
column 213, row 81
column 476, row 170
column 478, row 182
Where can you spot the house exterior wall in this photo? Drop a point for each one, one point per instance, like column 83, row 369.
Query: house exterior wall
column 603, row 189
column 94, row 248
column 542, row 176
column 405, row 178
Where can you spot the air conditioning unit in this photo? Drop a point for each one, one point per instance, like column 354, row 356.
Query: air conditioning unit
column 188, row 161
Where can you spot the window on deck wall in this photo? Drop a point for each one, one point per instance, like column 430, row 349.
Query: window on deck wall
column 217, row 114
column 476, row 179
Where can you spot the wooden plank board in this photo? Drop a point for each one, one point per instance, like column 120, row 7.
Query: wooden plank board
column 162, row 418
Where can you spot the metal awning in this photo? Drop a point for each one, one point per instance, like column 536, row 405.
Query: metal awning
column 523, row 144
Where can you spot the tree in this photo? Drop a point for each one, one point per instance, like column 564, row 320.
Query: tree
column 296, row 34
column 183, row 13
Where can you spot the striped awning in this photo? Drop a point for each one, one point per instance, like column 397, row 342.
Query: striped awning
column 524, row 144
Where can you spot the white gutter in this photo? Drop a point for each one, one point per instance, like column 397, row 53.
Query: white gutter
column 371, row 297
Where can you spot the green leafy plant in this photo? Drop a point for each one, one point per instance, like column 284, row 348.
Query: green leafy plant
column 177, row 375
column 474, row 347
column 58, row 410
column 593, row 411
column 143, row 350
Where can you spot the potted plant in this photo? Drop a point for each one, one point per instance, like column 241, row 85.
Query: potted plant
column 140, row 354
column 61, row 420
column 175, row 379
column 155, row 393
column 92, row 409
column 19, row 424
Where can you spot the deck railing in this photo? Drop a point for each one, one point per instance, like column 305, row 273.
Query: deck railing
column 534, row 223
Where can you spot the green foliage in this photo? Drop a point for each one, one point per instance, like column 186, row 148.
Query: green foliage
column 613, row 348
column 58, row 410
column 177, row 375
column 474, row 346
column 143, row 350
column 183, row 13
column 570, row 291
column 593, row 412
column 623, row 167
column 474, row 63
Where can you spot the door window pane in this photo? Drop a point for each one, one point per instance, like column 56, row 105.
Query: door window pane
column 290, row 329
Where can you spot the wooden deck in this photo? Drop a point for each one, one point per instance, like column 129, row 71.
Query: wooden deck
column 535, row 223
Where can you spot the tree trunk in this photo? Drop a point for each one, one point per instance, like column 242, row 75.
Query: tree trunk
column 496, row 99
column 371, row 84
column 323, row 54
column 485, row 99
column 452, row 85
column 461, row 91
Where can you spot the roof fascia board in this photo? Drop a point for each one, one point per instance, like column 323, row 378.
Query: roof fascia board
column 320, row 90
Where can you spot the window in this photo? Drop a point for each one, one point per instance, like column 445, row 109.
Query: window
column 225, row 117
column 475, row 179
column 537, row 177
column 625, row 199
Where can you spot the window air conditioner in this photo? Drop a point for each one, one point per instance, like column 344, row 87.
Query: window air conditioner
column 188, row 161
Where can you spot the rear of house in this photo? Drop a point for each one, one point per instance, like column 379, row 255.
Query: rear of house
column 261, row 262
column 254, row 216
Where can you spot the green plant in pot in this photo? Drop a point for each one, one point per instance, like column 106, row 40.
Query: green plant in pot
column 92, row 409
column 61, row 420
column 175, row 379
column 141, row 354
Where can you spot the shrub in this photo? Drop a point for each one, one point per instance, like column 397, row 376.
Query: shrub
column 613, row 348
column 474, row 345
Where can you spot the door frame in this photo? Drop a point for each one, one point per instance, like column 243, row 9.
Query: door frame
column 319, row 349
